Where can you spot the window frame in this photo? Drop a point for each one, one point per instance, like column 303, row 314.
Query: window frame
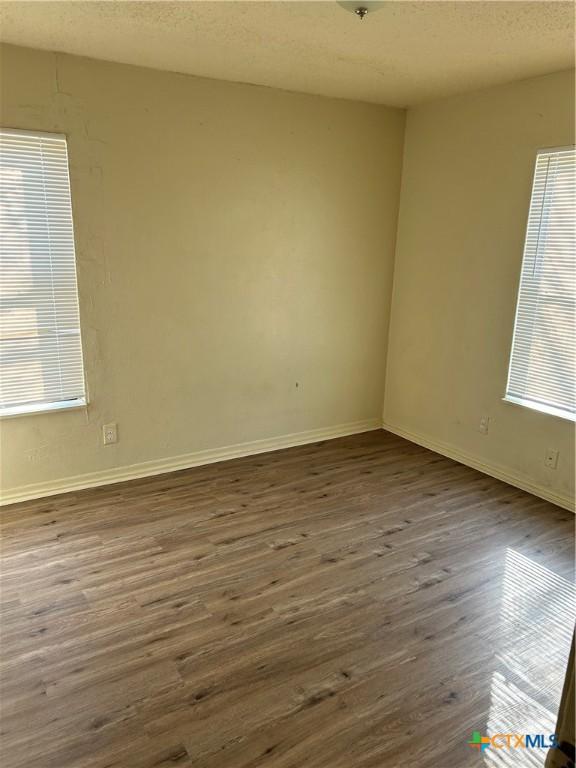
column 78, row 403
column 532, row 405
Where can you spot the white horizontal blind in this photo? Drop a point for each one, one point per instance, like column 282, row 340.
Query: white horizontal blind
column 543, row 361
column 40, row 346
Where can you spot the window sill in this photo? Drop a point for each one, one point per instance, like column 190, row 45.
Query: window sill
column 36, row 408
column 548, row 409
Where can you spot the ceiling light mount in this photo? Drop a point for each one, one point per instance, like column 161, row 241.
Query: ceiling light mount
column 361, row 8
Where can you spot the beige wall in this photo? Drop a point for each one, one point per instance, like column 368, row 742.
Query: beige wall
column 466, row 183
column 231, row 241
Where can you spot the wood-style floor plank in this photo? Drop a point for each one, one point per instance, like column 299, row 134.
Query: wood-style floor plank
column 357, row 603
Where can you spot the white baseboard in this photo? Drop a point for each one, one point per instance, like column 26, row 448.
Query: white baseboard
column 500, row 473
column 197, row 458
column 184, row 461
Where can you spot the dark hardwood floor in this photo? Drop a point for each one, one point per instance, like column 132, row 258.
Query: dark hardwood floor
column 359, row 602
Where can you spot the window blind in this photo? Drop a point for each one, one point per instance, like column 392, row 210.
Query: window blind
column 40, row 347
column 542, row 371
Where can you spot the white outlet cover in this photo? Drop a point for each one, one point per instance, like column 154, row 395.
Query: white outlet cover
column 551, row 458
column 109, row 434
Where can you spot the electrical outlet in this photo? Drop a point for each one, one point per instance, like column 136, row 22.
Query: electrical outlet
column 484, row 424
column 551, row 458
column 110, row 433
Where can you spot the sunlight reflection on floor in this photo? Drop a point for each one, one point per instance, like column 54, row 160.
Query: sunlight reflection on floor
column 537, row 621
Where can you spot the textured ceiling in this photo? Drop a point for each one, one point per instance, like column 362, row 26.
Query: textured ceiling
column 402, row 54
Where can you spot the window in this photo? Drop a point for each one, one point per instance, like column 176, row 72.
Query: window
column 40, row 347
column 543, row 359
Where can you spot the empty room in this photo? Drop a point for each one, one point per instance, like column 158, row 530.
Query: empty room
column 287, row 384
